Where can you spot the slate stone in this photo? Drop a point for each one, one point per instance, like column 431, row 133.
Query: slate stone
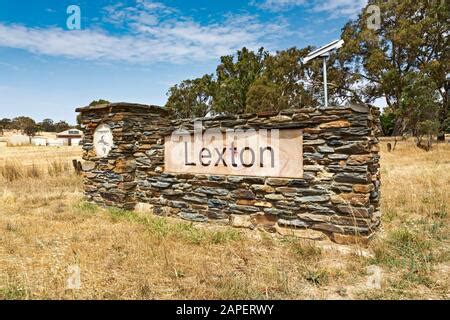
column 308, row 199
column 212, row 191
column 161, row 185
column 296, row 223
column 191, row 216
column 349, row 177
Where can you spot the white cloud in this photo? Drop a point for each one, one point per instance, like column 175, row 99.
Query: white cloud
column 335, row 8
column 277, row 5
column 340, row 8
column 155, row 33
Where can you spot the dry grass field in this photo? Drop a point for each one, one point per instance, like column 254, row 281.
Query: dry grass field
column 46, row 227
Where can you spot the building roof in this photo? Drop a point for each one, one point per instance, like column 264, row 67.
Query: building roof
column 70, row 132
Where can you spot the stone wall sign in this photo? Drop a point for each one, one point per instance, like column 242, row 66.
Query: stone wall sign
column 263, row 153
column 310, row 168
column 103, row 140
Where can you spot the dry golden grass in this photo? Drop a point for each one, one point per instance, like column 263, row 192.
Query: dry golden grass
column 45, row 227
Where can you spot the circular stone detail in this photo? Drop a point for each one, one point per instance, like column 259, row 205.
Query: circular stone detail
column 103, row 140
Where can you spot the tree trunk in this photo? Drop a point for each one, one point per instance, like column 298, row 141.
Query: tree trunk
column 443, row 114
column 398, row 127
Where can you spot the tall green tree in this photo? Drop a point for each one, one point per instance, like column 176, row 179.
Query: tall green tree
column 409, row 39
column 258, row 81
column 191, row 98
column 47, row 125
column 278, row 86
column 25, row 124
column 5, row 124
column 61, row 126
column 234, row 78
column 419, row 101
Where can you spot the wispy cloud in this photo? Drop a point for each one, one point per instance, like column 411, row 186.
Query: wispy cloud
column 277, row 5
column 340, row 8
column 335, row 8
column 154, row 33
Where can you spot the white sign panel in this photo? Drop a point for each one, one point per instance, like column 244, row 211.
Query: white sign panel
column 103, row 140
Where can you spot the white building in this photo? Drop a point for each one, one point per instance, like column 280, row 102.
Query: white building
column 71, row 137
column 18, row 140
column 39, row 141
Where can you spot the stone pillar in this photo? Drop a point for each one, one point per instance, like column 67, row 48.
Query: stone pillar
column 110, row 179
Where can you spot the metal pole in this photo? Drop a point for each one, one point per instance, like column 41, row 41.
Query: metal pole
column 325, row 86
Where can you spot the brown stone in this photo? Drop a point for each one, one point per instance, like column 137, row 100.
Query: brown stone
column 274, row 196
column 359, row 159
column 280, row 119
column 355, row 199
column 277, row 182
column 118, row 117
column 300, row 117
column 267, row 113
column 123, row 166
column 264, row 204
column 243, row 194
column 241, row 221
column 355, row 211
column 312, row 130
column 363, row 188
column 90, row 175
column 263, row 188
column 245, row 202
column 335, row 124
column 265, row 220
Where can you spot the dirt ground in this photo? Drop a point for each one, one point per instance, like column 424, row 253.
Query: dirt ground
column 48, row 234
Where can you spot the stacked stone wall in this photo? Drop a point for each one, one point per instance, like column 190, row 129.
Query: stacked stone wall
column 338, row 194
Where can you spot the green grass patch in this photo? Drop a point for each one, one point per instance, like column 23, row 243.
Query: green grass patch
column 316, row 276
column 409, row 251
column 13, row 292
column 184, row 230
column 87, row 207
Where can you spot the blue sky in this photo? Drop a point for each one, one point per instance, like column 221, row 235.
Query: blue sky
column 134, row 50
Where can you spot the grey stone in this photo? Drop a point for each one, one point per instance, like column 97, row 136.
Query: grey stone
column 349, row 177
column 238, row 208
column 273, row 196
column 190, row 216
column 161, row 185
column 274, row 211
column 338, row 156
column 313, row 142
column 353, row 148
column 243, row 194
column 296, row 223
column 312, row 156
column 212, row 191
column 194, row 199
column 308, row 199
column 217, row 203
column 325, row 149
column 88, row 165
